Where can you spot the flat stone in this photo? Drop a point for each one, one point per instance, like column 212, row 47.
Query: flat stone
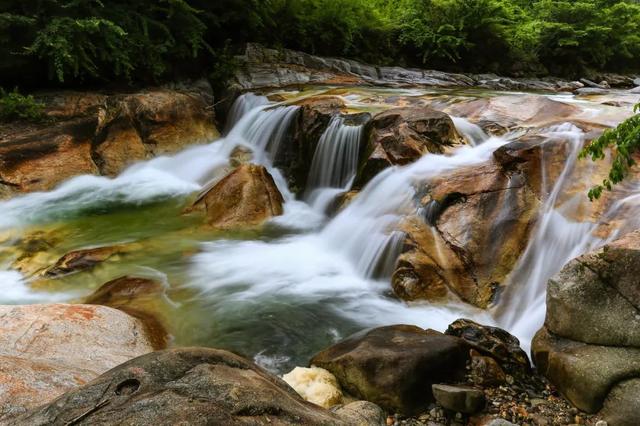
column 460, row 399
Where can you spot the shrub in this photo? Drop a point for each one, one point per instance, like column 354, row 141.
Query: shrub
column 14, row 105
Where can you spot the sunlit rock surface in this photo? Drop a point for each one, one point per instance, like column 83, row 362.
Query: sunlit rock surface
column 94, row 133
column 315, row 385
column 247, row 197
column 46, row 350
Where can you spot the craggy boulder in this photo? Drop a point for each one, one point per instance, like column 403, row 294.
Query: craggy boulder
column 400, row 136
column 195, row 386
column 46, row 350
column 247, row 197
column 395, row 366
column 443, row 254
column 590, row 345
column 101, row 133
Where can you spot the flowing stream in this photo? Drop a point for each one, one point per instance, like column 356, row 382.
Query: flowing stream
column 308, row 279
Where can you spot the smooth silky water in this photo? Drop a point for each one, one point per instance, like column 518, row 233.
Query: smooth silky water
column 306, row 280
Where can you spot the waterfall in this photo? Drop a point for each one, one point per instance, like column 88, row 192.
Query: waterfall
column 328, row 275
column 472, row 132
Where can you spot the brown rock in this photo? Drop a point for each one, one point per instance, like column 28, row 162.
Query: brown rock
column 46, row 350
column 186, row 386
column 400, row 136
column 101, row 134
column 395, row 366
column 142, row 298
column 82, row 260
column 443, row 254
column 247, row 197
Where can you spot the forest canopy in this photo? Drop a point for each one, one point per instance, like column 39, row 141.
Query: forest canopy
column 58, row 42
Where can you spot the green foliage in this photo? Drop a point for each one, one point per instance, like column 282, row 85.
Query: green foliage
column 14, row 105
column 48, row 42
column 626, row 140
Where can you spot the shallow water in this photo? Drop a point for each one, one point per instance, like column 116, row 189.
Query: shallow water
column 303, row 282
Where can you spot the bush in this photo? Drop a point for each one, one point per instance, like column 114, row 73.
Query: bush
column 14, row 106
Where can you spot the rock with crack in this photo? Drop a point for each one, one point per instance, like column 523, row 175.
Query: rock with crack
column 46, row 350
column 190, row 386
column 400, row 136
column 590, row 346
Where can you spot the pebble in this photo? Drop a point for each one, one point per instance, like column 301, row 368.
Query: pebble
column 601, row 423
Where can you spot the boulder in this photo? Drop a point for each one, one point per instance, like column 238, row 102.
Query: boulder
column 492, row 341
column 622, row 406
column 590, row 345
column 461, row 399
column 142, row 298
column 443, row 255
column 247, row 197
column 596, row 297
column 400, row 136
column 46, row 350
column 395, row 366
column 583, row 373
column 361, row 413
column 94, row 133
column 184, row 386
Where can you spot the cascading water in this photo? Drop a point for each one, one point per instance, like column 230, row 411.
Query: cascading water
column 282, row 296
column 334, row 163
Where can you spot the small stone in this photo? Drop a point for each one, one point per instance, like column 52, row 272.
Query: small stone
column 390, row 421
column 601, row 423
column 459, row 398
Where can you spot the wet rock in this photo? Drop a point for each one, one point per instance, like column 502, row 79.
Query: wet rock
column 485, row 371
column 583, row 373
column 82, row 260
column 315, row 385
column 92, row 133
column 443, row 255
column 622, row 406
column 183, row 386
column 513, row 112
column 142, row 298
column 395, row 366
column 400, row 136
column 595, row 298
column 247, row 197
column 492, row 341
column 461, row 399
column 46, row 350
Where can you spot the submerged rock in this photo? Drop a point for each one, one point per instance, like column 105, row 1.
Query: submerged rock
column 402, row 135
column 247, row 197
column 395, row 366
column 142, row 298
column 188, row 386
column 46, row 350
column 82, row 260
column 93, row 133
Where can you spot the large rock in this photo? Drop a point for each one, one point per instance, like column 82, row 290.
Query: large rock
column 583, row 373
column 400, row 136
column 46, row 350
column 395, row 366
column 247, row 197
column 92, row 133
column 596, row 297
column 443, row 254
column 590, row 345
column 185, row 386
